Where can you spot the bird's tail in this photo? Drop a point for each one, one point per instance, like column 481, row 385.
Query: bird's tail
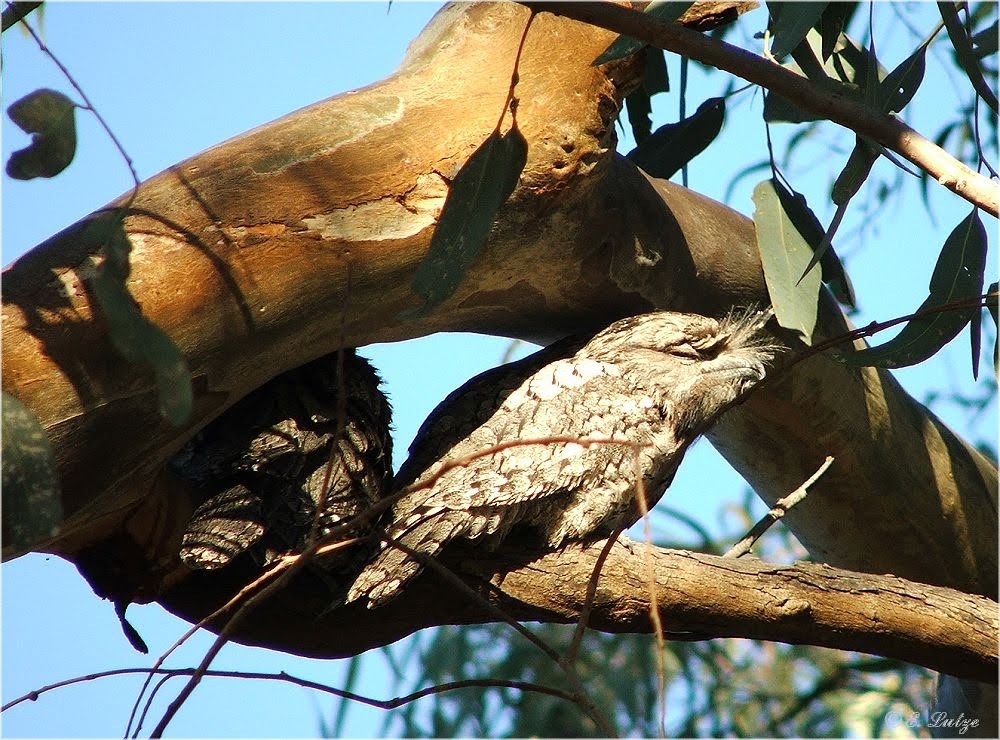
column 426, row 531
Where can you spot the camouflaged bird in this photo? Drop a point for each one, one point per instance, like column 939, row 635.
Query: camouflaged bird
column 260, row 467
column 658, row 380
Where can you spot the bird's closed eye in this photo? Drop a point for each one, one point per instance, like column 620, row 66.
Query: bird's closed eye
column 707, row 348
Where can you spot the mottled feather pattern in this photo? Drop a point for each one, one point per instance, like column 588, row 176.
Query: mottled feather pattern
column 262, row 465
column 261, row 468
column 658, row 380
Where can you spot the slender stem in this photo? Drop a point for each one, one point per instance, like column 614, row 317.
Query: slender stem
column 777, row 512
column 13, row 12
column 832, row 105
column 87, row 104
column 964, row 54
column 287, row 678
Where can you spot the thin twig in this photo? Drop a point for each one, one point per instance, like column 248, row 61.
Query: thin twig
column 292, row 566
column 278, row 567
column 840, row 108
column 87, row 105
column 780, row 508
column 875, row 327
column 654, row 606
column 510, row 102
column 288, row 678
column 580, row 695
column 588, row 601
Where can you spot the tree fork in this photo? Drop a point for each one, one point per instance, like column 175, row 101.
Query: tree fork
column 302, row 236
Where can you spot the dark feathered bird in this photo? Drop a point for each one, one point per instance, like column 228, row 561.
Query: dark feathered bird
column 659, row 379
column 260, row 467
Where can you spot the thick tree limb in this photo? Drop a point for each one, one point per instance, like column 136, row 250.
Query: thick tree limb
column 887, row 130
column 302, row 236
column 699, row 597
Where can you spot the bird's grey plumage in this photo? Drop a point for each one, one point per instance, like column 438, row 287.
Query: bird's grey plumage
column 261, row 467
column 657, row 380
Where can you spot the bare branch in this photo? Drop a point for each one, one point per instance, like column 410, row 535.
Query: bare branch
column 887, row 130
column 777, row 511
column 304, row 682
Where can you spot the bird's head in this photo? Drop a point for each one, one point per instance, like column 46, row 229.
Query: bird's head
column 699, row 365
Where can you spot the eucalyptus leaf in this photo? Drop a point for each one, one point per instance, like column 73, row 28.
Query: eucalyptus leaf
column 673, row 145
column 991, row 305
column 477, row 192
column 32, row 508
column 958, row 276
column 842, row 73
column 976, row 341
column 855, row 172
column 624, row 46
column 900, row 85
column 784, row 254
column 984, row 43
column 49, row 117
column 832, row 25
column 132, row 334
column 640, row 114
column 655, row 78
column 797, row 209
column 791, row 23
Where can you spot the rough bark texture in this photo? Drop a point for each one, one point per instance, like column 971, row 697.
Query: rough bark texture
column 699, row 597
column 302, row 236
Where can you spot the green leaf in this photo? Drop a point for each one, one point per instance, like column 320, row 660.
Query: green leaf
column 624, row 46
column 991, row 304
column 49, row 117
column 984, row 43
column 797, row 209
column 900, row 85
column 672, row 146
column 479, row 189
column 784, row 254
column 976, row 341
column 958, row 276
column 842, row 73
column 831, row 27
column 32, row 508
column 132, row 334
column 637, row 103
column 654, row 75
column 791, row 23
column 639, row 111
column 855, row 172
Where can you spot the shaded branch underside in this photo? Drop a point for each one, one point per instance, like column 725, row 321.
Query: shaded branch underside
column 699, row 596
column 302, row 236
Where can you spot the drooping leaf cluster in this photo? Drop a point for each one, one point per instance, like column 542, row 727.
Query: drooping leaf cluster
column 818, row 41
column 815, row 36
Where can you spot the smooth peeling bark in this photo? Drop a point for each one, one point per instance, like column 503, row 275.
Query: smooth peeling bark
column 301, row 236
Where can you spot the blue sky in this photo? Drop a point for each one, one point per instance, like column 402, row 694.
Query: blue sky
column 175, row 79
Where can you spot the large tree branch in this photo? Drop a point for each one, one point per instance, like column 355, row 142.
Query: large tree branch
column 888, row 130
column 302, row 236
column 699, row 597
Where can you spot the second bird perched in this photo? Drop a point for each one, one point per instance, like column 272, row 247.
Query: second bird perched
column 656, row 380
